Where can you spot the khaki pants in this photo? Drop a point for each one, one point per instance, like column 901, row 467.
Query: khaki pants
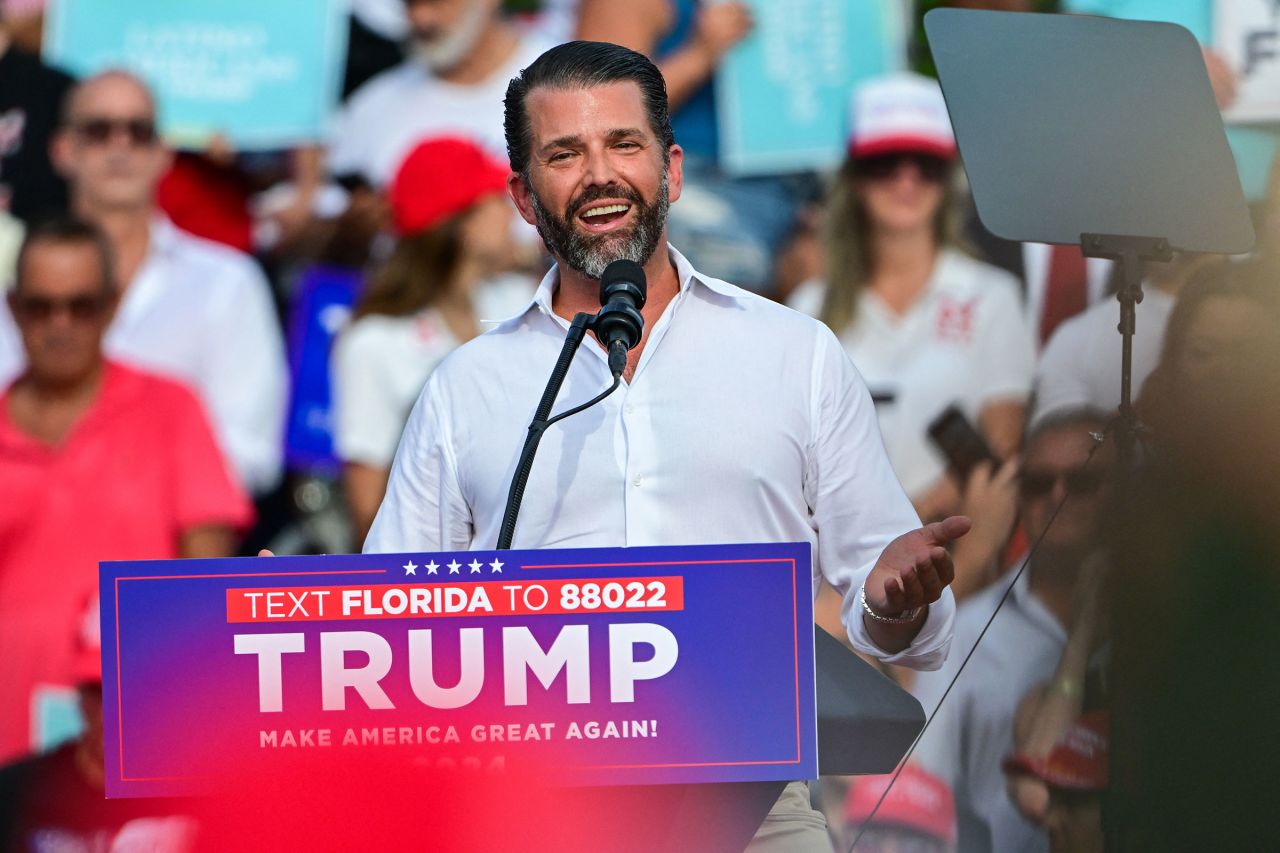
column 792, row 826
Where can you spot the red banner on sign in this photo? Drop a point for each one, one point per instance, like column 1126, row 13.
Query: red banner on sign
column 481, row 598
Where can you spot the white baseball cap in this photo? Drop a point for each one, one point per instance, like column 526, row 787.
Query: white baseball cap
column 900, row 112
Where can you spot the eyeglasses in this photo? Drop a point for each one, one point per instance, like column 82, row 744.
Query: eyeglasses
column 38, row 309
column 1036, row 484
column 883, row 166
column 99, row 131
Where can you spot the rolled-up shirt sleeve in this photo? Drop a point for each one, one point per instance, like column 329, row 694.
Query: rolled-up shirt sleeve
column 857, row 505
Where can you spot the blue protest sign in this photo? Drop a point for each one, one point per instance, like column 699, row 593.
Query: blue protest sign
column 325, row 297
column 782, row 94
column 264, row 75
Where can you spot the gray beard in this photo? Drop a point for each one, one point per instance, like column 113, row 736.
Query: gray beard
column 446, row 51
column 589, row 254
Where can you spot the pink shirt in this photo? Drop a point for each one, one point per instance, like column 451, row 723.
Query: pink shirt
column 140, row 468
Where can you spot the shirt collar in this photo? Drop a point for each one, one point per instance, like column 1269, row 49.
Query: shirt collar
column 685, row 272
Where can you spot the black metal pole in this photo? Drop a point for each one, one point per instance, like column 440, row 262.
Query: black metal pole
column 577, row 331
column 1130, row 254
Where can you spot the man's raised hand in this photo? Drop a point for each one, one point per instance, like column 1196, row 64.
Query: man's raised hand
column 914, row 568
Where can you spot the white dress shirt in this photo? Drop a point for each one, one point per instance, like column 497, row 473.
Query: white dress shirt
column 201, row 313
column 744, row 422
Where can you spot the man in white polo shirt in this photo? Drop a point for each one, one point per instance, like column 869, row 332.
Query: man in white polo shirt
column 740, row 420
column 191, row 309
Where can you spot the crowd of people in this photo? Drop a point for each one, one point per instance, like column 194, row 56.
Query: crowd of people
column 204, row 353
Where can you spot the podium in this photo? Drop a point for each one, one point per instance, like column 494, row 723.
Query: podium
column 866, row 723
column 653, row 698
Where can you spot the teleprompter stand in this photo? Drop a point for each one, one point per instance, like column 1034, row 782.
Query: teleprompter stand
column 1130, row 254
column 1076, row 129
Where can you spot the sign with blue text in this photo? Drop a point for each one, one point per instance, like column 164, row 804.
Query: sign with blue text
column 261, row 75
column 618, row 666
column 783, row 93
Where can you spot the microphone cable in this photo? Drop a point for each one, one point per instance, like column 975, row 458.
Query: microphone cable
column 541, row 426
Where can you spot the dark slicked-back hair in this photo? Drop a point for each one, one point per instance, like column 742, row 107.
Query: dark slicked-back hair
column 579, row 65
column 69, row 230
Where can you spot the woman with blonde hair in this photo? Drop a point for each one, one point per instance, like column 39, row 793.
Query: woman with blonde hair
column 927, row 325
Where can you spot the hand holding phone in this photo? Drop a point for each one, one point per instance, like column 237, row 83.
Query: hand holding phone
column 960, row 442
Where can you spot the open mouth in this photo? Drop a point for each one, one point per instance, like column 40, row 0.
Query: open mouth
column 601, row 216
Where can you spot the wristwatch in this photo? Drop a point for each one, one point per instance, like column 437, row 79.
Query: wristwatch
column 906, row 617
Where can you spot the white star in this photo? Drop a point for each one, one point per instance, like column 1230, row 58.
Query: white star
column 410, row 568
column 431, row 567
column 454, row 566
column 475, row 567
column 496, row 566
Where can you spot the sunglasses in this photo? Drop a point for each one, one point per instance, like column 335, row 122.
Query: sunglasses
column 884, row 166
column 1036, row 484
column 38, row 309
column 99, row 131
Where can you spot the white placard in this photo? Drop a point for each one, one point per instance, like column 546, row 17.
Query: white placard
column 1247, row 37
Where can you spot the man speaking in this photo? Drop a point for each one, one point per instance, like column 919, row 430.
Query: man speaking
column 739, row 420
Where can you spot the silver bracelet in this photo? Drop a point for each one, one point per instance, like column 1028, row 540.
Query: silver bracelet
column 906, row 617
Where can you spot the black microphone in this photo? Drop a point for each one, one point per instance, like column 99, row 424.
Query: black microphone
column 619, row 323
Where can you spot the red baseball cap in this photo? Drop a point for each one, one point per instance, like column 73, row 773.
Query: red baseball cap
column 1077, row 762
column 440, row 177
column 918, row 801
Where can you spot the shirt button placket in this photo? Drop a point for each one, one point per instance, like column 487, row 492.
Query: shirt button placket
column 633, row 478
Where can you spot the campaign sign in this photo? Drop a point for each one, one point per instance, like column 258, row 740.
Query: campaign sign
column 616, row 666
column 783, row 93
column 262, row 74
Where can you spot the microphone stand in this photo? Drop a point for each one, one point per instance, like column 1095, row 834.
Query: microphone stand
column 1129, row 254
column 578, row 329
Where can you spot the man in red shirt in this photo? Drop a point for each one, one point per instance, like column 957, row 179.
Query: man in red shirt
column 97, row 462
